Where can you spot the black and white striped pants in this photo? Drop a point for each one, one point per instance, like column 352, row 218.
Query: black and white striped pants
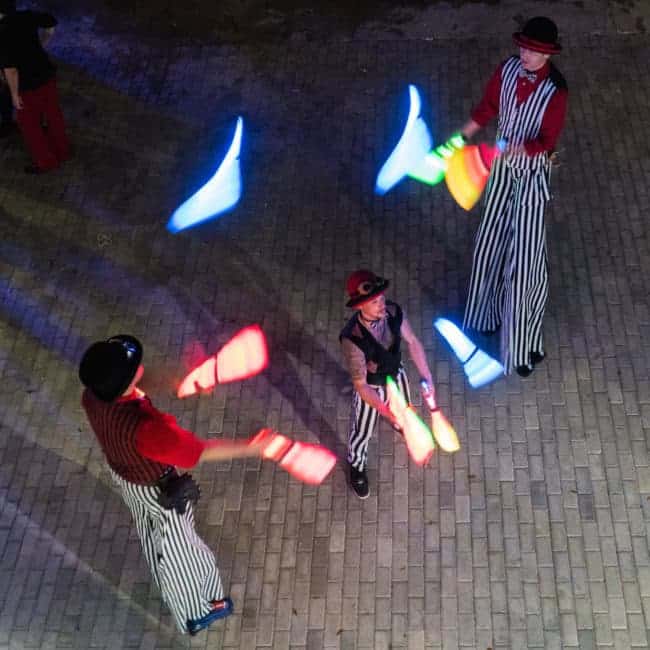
column 509, row 282
column 183, row 567
column 363, row 420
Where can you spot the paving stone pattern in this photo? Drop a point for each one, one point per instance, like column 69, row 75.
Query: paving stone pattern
column 534, row 535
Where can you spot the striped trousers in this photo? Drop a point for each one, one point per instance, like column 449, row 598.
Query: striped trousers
column 363, row 420
column 183, row 567
column 509, row 282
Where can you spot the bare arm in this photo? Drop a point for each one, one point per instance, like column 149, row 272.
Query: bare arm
column 11, row 75
column 416, row 351
column 220, row 450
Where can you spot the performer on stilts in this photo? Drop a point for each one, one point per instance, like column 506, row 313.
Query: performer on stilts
column 143, row 447
column 509, row 281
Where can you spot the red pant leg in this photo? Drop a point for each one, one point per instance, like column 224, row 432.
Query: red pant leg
column 29, row 122
column 56, row 136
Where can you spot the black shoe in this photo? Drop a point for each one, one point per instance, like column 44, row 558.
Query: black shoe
column 524, row 371
column 220, row 609
column 536, row 357
column 359, row 482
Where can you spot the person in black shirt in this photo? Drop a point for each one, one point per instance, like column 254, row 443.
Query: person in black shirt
column 31, row 79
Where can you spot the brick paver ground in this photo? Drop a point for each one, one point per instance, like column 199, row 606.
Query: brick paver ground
column 533, row 535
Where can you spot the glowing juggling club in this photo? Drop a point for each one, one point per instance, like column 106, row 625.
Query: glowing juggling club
column 468, row 170
column 244, row 356
column 479, row 367
column 305, row 461
column 419, row 440
column 433, row 166
column 218, row 195
column 410, row 150
column 443, row 432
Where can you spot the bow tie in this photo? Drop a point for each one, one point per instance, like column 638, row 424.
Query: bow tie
column 531, row 76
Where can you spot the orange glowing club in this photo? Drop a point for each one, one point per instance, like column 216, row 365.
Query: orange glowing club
column 443, row 432
column 468, row 170
column 305, row 461
column 419, row 440
column 244, row 356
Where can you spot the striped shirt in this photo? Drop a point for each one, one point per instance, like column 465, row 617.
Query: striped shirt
column 554, row 114
column 140, row 443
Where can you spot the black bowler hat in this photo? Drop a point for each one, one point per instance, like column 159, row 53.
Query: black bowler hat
column 539, row 35
column 108, row 367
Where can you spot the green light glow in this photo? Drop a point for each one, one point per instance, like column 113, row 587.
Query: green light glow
column 433, row 167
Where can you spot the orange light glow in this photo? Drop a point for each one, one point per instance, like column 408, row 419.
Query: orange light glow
column 277, row 447
column 243, row 356
column 459, row 182
column 307, row 462
column 467, row 173
column 476, row 170
column 444, row 433
column 419, row 440
column 200, row 379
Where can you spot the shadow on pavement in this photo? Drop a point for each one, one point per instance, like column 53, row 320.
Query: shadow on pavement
column 76, row 562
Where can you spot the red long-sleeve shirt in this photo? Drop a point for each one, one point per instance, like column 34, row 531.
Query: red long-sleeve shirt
column 160, row 438
column 139, row 441
column 554, row 116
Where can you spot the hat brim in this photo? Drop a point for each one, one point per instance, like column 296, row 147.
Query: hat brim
column 379, row 288
column 536, row 46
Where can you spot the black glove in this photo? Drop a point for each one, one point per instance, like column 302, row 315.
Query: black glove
column 176, row 491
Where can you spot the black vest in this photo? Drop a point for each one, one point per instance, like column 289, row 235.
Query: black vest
column 388, row 361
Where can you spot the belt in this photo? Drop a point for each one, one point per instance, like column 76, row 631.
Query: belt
column 176, row 491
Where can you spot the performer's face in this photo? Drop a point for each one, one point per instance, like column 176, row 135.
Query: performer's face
column 375, row 308
column 532, row 61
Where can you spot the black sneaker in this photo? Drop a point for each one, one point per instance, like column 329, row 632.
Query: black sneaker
column 359, row 482
column 524, row 371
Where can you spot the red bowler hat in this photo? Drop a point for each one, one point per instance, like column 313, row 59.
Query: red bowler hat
column 539, row 35
column 364, row 285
